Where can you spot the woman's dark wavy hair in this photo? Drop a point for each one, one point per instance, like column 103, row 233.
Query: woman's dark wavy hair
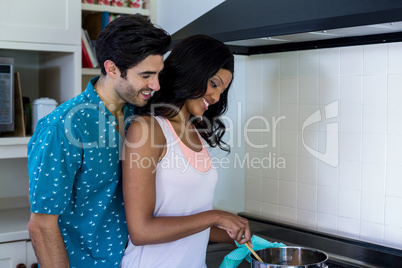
column 128, row 40
column 185, row 75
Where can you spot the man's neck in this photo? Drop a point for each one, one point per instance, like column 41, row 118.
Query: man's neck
column 113, row 103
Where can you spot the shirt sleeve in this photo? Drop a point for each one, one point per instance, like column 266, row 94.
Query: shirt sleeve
column 53, row 162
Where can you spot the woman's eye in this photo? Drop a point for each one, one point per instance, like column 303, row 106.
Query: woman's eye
column 213, row 84
column 146, row 76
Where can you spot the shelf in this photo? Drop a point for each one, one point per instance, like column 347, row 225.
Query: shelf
column 13, row 224
column 90, row 71
column 113, row 9
column 13, row 147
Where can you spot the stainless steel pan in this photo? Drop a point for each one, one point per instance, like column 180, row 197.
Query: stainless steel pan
column 295, row 257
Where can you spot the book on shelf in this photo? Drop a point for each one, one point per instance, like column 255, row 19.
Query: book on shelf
column 90, row 41
column 89, row 48
column 94, row 23
column 105, row 19
column 86, row 61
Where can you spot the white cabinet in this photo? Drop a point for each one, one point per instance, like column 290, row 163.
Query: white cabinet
column 46, row 70
column 43, row 37
column 14, row 253
column 45, row 21
column 13, row 227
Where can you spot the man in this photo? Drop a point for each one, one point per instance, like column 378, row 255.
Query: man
column 77, row 214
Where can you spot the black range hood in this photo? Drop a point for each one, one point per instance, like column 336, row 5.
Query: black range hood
column 264, row 26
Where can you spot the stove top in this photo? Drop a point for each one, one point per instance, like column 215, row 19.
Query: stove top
column 337, row 264
column 333, row 263
column 342, row 252
column 217, row 251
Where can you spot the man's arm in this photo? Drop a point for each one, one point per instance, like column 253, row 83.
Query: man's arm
column 47, row 241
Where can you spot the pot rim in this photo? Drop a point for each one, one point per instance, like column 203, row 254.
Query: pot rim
column 294, row 247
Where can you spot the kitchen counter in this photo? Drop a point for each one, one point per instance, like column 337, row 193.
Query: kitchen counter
column 13, row 224
column 342, row 252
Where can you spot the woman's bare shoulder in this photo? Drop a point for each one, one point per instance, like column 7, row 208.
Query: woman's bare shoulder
column 146, row 127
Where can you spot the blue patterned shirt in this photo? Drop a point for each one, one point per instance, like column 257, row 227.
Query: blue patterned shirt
column 75, row 172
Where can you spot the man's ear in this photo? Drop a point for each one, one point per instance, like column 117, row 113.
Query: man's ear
column 111, row 69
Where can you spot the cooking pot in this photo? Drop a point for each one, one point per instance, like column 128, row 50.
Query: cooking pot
column 295, row 257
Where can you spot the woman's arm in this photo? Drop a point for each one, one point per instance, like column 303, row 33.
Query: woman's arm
column 142, row 140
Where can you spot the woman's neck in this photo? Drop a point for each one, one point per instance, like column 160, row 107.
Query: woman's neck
column 182, row 118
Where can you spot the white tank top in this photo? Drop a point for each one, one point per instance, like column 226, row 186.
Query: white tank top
column 181, row 189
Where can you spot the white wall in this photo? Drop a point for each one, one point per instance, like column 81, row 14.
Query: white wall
column 173, row 15
column 344, row 179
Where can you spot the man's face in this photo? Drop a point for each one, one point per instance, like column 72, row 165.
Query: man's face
column 140, row 81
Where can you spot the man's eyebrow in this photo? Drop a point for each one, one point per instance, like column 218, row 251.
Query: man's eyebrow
column 147, row 72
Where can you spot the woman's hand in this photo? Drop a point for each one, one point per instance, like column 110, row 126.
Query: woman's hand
column 237, row 227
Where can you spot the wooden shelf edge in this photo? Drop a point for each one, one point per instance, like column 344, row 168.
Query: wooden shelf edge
column 113, row 9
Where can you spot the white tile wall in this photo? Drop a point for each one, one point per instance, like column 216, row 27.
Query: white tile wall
column 360, row 193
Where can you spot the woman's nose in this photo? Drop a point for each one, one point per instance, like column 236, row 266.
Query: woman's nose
column 216, row 96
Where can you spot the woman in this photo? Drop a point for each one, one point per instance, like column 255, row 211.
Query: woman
column 168, row 178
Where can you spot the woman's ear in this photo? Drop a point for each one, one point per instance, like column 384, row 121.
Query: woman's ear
column 111, row 69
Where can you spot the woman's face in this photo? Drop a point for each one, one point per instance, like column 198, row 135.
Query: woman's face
column 216, row 85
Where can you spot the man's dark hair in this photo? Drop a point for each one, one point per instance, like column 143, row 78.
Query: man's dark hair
column 128, row 40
